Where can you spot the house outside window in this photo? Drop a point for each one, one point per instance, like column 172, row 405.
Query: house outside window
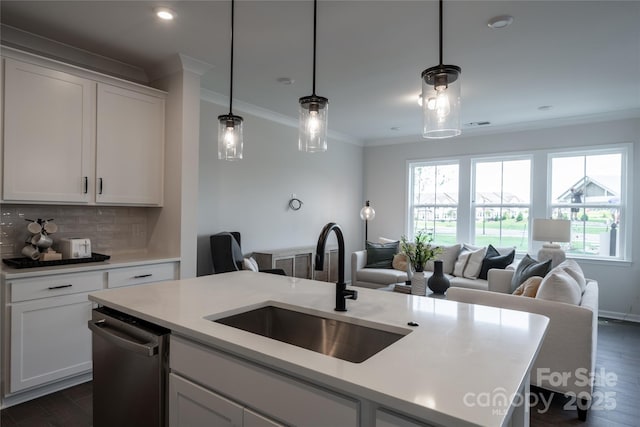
column 433, row 200
column 501, row 202
column 589, row 189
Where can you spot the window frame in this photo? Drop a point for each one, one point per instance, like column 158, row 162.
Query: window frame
column 626, row 152
column 410, row 192
column 474, row 205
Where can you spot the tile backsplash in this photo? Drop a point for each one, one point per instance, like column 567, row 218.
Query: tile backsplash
column 111, row 229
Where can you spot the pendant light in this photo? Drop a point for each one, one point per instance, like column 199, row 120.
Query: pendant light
column 441, row 98
column 230, row 125
column 313, row 110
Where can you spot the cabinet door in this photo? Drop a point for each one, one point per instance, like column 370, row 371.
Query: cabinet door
column 194, row 406
column 48, row 134
column 130, row 147
column 50, row 340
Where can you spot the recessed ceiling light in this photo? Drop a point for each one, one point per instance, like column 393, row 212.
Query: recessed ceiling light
column 165, row 14
column 285, row 80
column 501, row 21
column 545, row 107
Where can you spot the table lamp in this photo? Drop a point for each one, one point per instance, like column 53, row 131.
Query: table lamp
column 551, row 230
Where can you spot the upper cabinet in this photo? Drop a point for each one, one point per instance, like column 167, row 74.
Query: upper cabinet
column 129, row 161
column 48, row 134
column 80, row 138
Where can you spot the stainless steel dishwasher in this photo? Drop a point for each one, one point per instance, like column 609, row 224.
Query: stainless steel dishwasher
column 130, row 365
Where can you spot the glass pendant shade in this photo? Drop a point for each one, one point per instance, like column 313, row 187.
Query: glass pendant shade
column 441, row 101
column 313, row 124
column 230, row 137
column 367, row 212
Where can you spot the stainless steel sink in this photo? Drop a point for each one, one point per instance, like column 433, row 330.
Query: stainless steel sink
column 340, row 339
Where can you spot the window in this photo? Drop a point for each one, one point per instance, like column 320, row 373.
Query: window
column 433, row 200
column 588, row 189
column 501, row 202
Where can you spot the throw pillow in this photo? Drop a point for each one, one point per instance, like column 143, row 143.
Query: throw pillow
column 529, row 288
column 529, row 267
column 399, row 262
column 250, row 264
column 385, row 240
column 574, row 270
column 494, row 259
column 448, row 257
column 461, row 263
column 559, row 286
column 380, row 255
column 474, row 264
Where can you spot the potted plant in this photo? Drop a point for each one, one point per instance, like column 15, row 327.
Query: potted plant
column 419, row 251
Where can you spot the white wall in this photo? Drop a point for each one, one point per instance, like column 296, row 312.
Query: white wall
column 385, row 172
column 252, row 195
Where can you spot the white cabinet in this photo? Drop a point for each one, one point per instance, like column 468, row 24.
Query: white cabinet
column 273, row 394
column 49, row 338
column 194, row 406
column 130, row 158
column 71, row 139
column 48, row 134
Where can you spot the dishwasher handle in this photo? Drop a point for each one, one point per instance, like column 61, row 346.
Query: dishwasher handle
column 101, row 328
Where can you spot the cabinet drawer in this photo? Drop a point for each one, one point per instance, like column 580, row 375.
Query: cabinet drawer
column 129, row 276
column 55, row 285
column 276, row 395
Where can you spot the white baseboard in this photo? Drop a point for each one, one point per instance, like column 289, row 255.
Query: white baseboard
column 619, row 316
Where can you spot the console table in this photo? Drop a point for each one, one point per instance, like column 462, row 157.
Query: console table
column 299, row 262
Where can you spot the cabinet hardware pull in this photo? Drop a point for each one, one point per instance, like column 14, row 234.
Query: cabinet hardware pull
column 86, row 185
column 100, row 186
column 59, row 287
column 140, row 276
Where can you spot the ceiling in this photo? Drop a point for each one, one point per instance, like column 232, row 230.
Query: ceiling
column 581, row 58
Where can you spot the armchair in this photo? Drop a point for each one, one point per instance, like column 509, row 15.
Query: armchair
column 226, row 253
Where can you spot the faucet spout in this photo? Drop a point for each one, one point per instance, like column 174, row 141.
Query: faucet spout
column 341, row 292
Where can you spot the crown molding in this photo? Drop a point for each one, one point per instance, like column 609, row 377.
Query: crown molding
column 48, row 48
column 177, row 63
column 518, row 127
column 223, row 100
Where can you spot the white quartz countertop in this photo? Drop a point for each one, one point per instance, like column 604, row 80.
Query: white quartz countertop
column 442, row 371
column 122, row 260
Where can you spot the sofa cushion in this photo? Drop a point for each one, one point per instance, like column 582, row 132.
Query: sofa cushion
column 380, row 255
column 559, row 286
column 574, row 270
column 448, row 257
column 495, row 259
column 383, row 276
column 399, row 262
column 529, row 288
column 529, row 267
column 463, row 282
column 472, row 270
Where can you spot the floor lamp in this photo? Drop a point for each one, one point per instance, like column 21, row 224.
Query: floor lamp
column 367, row 213
column 551, row 230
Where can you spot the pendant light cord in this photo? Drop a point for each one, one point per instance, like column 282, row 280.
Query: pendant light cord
column 231, row 72
column 441, row 32
column 315, row 13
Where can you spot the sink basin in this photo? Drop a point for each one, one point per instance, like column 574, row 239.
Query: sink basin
column 343, row 340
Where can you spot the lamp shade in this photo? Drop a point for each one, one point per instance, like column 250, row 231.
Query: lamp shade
column 551, row 230
column 313, row 124
column 367, row 213
column 230, row 137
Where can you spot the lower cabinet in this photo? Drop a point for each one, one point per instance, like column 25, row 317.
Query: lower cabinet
column 49, row 340
column 195, row 406
column 272, row 395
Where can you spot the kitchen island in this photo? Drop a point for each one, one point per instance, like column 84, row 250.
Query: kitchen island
column 461, row 365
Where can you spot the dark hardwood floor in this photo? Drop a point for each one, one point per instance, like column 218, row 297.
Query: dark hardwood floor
column 617, row 400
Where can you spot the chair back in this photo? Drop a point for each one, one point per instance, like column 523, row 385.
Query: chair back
column 226, row 252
